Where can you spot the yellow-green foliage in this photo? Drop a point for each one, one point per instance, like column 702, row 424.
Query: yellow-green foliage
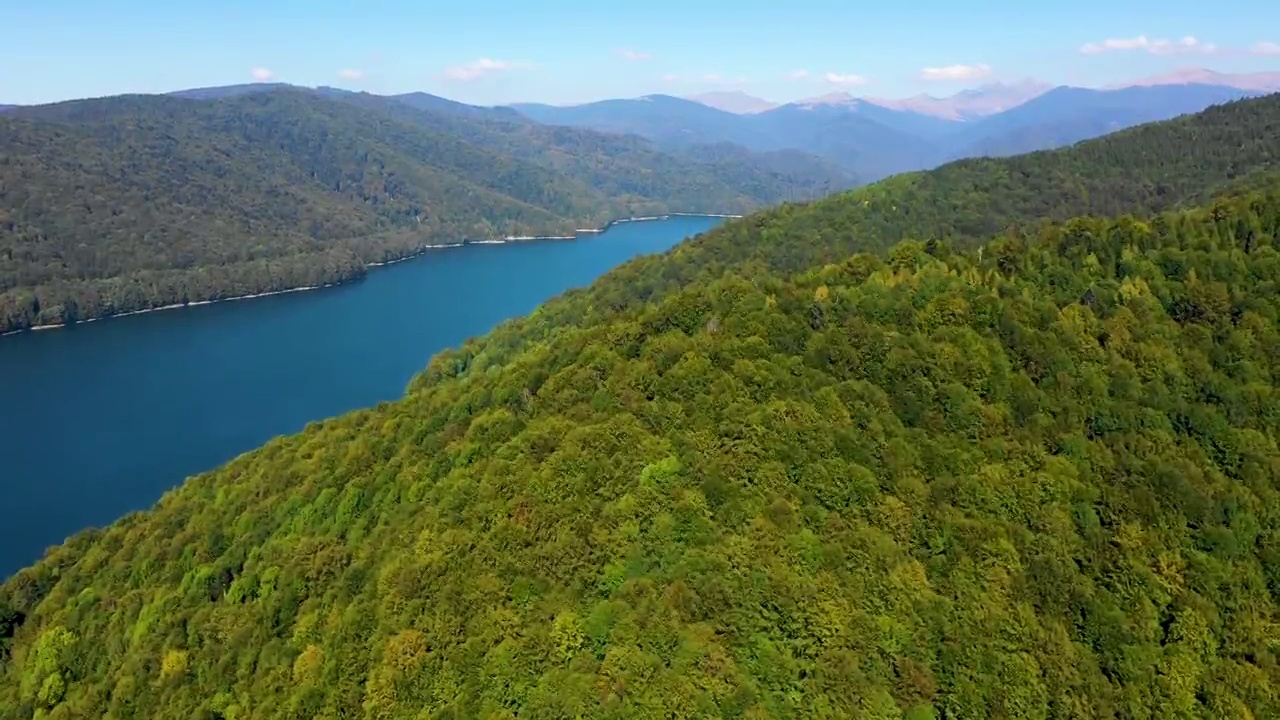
column 1035, row 481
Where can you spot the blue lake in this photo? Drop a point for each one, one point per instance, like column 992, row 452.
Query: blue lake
column 102, row 418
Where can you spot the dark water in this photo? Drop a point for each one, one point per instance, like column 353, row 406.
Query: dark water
column 100, row 419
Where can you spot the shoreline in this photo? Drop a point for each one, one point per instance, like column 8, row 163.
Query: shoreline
column 173, row 306
column 369, row 266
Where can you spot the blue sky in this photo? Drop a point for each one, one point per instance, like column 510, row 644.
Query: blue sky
column 497, row 51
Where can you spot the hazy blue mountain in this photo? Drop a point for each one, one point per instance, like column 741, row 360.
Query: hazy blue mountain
column 970, row 104
column 734, row 101
column 1259, row 81
column 871, row 139
column 849, row 136
column 4, row 108
column 664, row 119
column 859, row 137
column 826, row 107
column 1067, row 115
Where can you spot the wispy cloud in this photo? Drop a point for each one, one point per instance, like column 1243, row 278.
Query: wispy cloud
column 670, row 78
column 712, row 78
column 798, row 75
column 634, row 55
column 1188, row 45
column 955, row 72
column 1265, row 48
column 479, row 68
column 261, row 74
column 844, row 80
column 351, row 74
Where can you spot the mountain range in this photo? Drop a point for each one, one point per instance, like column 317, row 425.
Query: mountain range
column 873, row 139
column 995, row 97
column 1256, row 81
column 852, row 140
column 127, row 203
column 995, row 440
column 970, row 104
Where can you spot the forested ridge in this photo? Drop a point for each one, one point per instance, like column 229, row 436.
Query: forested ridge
column 1231, row 149
column 132, row 202
column 1026, row 476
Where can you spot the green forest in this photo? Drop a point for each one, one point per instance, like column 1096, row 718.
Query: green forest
column 135, row 202
column 780, row 471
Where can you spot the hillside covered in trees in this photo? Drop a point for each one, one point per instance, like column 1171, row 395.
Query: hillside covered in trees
column 133, row 202
column 765, row 475
column 1231, row 149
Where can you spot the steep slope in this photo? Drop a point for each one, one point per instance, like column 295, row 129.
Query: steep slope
column 1037, row 481
column 134, row 202
column 1066, row 115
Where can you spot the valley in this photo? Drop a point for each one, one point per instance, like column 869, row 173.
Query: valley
column 138, row 202
column 279, row 194
column 210, row 382
column 923, row 393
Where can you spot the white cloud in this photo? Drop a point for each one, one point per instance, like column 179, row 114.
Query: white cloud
column 1114, row 44
column 798, row 75
column 479, row 68
column 712, row 78
column 670, row 78
column 844, row 80
column 1265, row 48
column 262, row 74
column 351, row 74
column 1188, row 45
column 955, row 72
column 634, row 55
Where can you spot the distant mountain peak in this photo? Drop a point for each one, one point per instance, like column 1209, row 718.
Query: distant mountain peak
column 1257, row 81
column 835, row 98
column 972, row 103
column 733, row 101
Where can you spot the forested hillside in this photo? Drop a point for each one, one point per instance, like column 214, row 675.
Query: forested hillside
column 133, row 202
column 1234, row 147
column 763, row 476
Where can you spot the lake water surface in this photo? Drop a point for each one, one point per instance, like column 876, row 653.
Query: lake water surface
column 102, row 418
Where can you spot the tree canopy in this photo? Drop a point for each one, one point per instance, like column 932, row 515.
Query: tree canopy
column 1030, row 477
